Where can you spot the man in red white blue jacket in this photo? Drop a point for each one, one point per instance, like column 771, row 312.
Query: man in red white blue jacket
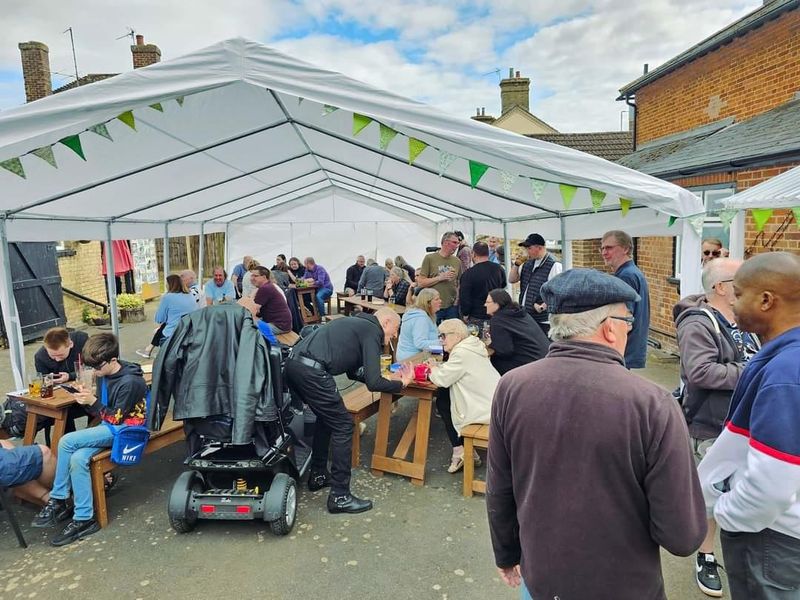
column 751, row 475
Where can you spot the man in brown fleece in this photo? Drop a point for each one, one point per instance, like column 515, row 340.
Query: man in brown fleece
column 590, row 469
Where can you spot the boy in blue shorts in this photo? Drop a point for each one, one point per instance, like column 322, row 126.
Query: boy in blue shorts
column 28, row 469
column 118, row 399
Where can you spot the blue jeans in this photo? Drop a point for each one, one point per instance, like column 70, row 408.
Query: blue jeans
column 443, row 314
column 524, row 594
column 75, row 450
column 322, row 295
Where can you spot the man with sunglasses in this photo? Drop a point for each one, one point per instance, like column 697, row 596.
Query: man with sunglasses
column 712, row 248
column 713, row 354
column 590, row 472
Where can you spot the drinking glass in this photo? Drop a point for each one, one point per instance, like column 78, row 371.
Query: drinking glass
column 47, row 386
column 35, row 385
column 369, row 295
column 386, row 362
column 473, row 330
column 87, row 378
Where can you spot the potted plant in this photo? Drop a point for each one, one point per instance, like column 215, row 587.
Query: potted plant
column 131, row 308
column 93, row 317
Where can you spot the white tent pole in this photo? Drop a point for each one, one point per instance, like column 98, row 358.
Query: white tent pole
column 201, row 251
column 10, row 312
column 111, row 282
column 473, row 231
column 166, row 250
column 507, row 258
column 566, row 247
column 227, row 246
column 736, row 243
column 690, row 260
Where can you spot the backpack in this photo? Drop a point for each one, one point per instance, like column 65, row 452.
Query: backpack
column 130, row 441
column 689, row 412
column 14, row 415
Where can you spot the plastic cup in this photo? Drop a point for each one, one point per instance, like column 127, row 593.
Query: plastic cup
column 35, row 385
column 87, row 378
column 386, row 362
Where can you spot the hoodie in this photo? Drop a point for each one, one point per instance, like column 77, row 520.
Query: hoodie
column 472, row 381
column 126, row 391
column 516, row 339
column 417, row 333
column 711, row 365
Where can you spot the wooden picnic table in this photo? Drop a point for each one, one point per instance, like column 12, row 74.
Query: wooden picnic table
column 56, row 408
column 309, row 315
column 416, row 433
column 351, row 302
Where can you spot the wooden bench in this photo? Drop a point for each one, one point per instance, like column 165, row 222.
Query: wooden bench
column 288, row 339
column 361, row 404
column 171, row 433
column 475, row 436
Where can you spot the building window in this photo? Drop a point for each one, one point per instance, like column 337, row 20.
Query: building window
column 712, row 197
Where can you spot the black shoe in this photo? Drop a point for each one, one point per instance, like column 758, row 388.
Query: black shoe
column 707, row 575
column 53, row 513
column 74, row 531
column 347, row 503
column 317, row 480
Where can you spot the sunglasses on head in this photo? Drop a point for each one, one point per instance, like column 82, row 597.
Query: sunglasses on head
column 715, row 253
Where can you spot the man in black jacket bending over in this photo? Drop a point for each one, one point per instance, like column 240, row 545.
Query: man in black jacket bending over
column 353, row 346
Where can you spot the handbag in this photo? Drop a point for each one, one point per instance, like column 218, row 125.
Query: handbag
column 130, row 441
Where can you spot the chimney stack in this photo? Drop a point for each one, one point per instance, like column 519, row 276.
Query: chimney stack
column 36, row 70
column 482, row 117
column 514, row 91
column 144, row 54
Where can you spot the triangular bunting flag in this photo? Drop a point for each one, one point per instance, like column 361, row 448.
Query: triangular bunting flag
column 625, row 205
column 73, row 142
column 102, row 130
column 179, row 100
column 697, row 222
column 14, row 165
column 328, row 109
column 445, row 160
column 46, row 154
column 507, row 180
column 359, row 122
column 415, row 148
column 300, row 100
column 386, row 136
column 476, row 171
column 597, row 199
column 727, row 217
column 127, row 118
column 157, row 106
column 761, row 216
column 672, row 221
column 567, row 193
column 796, row 212
column 537, row 187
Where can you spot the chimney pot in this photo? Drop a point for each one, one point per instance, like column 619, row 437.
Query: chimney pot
column 646, row 68
column 140, row 40
column 517, row 74
column 510, row 72
column 483, row 111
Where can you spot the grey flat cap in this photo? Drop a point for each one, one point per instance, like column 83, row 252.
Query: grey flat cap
column 579, row 290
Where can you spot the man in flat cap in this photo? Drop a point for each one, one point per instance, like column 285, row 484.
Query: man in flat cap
column 540, row 267
column 590, row 470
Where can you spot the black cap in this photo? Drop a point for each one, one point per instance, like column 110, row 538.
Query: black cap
column 579, row 290
column 533, row 239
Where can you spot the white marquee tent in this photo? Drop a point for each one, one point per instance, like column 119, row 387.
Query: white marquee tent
column 240, row 138
column 782, row 191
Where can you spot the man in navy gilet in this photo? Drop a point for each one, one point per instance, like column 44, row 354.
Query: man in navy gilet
column 540, row 268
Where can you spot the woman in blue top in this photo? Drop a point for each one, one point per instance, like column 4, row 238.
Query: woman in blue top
column 174, row 304
column 418, row 329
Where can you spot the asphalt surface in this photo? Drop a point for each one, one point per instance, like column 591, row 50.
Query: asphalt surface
column 417, row 543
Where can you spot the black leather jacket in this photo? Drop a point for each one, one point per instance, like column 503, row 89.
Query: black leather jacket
column 215, row 363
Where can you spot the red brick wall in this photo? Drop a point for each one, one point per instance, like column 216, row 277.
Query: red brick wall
column 751, row 74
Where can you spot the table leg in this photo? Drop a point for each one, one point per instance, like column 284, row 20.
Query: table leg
column 58, row 432
column 30, row 429
column 382, row 430
column 421, row 441
column 408, row 438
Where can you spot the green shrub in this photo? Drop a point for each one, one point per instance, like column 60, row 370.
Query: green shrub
column 129, row 302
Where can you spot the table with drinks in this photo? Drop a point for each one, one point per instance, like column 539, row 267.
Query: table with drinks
column 368, row 302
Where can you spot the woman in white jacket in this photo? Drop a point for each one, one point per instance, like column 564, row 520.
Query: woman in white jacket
column 467, row 382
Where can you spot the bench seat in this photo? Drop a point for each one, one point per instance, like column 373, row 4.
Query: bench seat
column 475, row 436
column 361, row 404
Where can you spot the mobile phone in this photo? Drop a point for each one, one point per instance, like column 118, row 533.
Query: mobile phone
column 70, row 389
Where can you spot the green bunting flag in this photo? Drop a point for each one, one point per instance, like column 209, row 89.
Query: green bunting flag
column 386, row 136
column 445, row 160
column 328, row 109
column 507, row 180
column 127, row 118
column 476, row 171
column 537, row 187
column 567, row 193
column 761, row 216
column 157, row 106
column 179, row 100
column 415, row 148
column 46, row 154
column 14, row 165
column 727, row 217
column 672, row 221
column 359, row 122
column 698, row 222
column 73, row 142
column 796, row 212
column 625, row 205
column 101, row 130
column 597, row 199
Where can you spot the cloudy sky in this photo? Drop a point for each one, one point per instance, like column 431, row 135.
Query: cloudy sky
column 578, row 53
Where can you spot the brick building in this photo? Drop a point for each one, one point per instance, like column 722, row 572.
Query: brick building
column 78, row 262
column 515, row 114
column 717, row 119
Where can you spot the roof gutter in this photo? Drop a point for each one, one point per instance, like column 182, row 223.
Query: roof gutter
column 632, row 105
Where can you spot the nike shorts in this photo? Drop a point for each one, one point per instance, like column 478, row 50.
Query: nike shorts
column 20, row 465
